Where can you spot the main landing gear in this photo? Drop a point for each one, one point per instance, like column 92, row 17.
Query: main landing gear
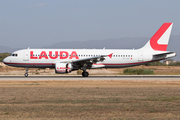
column 85, row 74
column 26, row 74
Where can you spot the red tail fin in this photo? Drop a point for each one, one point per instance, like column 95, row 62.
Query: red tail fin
column 160, row 39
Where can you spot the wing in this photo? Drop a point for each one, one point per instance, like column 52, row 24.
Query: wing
column 87, row 62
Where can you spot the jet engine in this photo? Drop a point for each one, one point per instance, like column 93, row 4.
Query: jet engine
column 62, row 68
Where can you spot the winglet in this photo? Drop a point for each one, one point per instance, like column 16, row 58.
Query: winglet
column 110, row 55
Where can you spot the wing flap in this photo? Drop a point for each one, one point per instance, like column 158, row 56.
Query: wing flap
column 91, row 59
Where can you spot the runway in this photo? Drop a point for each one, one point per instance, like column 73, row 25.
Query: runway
column 76, row 77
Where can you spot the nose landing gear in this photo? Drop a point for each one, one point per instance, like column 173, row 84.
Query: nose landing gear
column 26, row 74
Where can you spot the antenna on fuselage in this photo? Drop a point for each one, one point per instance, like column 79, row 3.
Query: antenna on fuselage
column 28, row 47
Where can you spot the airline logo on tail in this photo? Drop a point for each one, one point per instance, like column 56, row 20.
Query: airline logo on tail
column 159, row 40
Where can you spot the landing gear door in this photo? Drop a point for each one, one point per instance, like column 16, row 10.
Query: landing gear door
column 140, row 56
column 26, row 55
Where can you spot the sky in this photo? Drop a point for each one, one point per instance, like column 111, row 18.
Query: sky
column 38, row 23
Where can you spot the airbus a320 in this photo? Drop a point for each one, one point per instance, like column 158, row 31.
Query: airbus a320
column 67, row 60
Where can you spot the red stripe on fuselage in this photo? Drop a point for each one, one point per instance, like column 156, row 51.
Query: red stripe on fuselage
column 29, row 63
column 97, row 64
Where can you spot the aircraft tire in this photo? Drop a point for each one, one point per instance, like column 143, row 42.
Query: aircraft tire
column 26, row 74
column 85, row 74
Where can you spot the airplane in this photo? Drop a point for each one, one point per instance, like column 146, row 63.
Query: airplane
column 67, row 60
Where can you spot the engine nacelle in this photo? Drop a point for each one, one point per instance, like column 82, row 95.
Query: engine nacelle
column 62, row 68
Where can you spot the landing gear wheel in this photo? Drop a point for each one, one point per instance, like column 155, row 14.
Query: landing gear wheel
column 26, row 74
column 85, row 74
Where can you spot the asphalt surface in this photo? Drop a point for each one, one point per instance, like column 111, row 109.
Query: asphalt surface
column 76, row 77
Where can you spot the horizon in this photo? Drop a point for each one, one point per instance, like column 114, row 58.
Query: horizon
column 41, row 23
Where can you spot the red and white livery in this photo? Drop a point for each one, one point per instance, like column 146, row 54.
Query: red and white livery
column 67, row 60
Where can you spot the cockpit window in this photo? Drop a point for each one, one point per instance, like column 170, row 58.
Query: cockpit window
column 14, row 54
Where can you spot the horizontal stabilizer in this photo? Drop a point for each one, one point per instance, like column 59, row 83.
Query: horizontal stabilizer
column 165, row 55
column 161, row 54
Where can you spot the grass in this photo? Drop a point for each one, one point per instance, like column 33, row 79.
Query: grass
column 130, row 71
column 158, row 70
column 89, row 100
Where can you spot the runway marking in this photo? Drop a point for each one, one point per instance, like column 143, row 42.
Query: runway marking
column 119, row 77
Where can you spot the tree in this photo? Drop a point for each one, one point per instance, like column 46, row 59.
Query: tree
column 157, row 63
column 4, row 55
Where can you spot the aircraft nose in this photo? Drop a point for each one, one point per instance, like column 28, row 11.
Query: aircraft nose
column 5, row 60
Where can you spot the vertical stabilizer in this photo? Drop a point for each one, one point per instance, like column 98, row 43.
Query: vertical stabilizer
column 160, row 39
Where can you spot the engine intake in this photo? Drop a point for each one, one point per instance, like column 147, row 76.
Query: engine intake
column 62, row 68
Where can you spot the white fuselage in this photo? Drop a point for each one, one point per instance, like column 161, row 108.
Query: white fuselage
column 47, row 58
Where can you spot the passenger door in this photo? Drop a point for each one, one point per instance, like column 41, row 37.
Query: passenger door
column 140, row 56
column 26, row 55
